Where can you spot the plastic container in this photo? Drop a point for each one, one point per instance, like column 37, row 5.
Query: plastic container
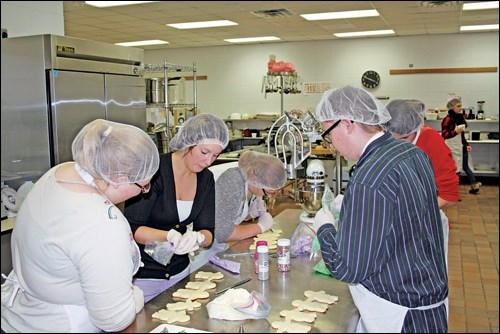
column 263, row 262
column 283, row 253
column 256, row 254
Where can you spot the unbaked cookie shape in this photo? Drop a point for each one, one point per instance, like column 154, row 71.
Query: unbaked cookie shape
column 306, row 305
column 190, row 294
column 288, row 326
column 188, row 305
column 171, row 316
column 320, row 296
column 200, row 285
column 209, row 276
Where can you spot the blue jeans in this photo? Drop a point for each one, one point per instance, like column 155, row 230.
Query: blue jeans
column 465, row 165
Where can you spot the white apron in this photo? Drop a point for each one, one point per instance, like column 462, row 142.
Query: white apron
column 13, row 293
column 455, row 145
column 201, row 257
column 378, row 315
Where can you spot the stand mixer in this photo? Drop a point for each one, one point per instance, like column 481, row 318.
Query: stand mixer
column 311, row 195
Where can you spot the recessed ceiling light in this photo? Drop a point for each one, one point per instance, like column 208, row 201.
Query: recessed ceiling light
column 148, row 42
column 479, row 27
column 253, row 39
column 340, row 15
column 114, row 3
column 203, row 24
column 365, row 33
column 480, row 5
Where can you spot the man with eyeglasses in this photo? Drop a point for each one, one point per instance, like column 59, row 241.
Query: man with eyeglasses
column 389, row 244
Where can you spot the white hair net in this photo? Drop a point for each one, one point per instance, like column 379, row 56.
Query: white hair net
column 109, row 150
column 263, row 170
column 407, row 116
column 351, row 103
column 201, row 129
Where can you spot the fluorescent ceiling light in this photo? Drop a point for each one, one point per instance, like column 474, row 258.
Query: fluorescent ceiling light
column 203, row 24
column 252, row 39
column 149, row 42
column 340, row 15
column 480, row 5
column 365, row 33
column 481, row 27
column 114, row 3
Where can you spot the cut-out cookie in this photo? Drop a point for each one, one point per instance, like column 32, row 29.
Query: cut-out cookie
column 272, row 244
column 209, row 276
column 290, row 327
column 188, row 305
column 320, row 296
column 201, row 285
column 190, row 294
column 297, row 315
column 310, row 306
column 269, row 234
column 171, row 316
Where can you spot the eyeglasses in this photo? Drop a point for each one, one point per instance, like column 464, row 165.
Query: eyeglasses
column 325, row 136
column 270, row 193
column 144, row 189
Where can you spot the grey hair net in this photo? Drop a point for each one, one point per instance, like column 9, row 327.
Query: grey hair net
column 351, row 103
column 407, row 116
column 201, row 129
column 262, row 170
column 452, row 103
column 115, row 152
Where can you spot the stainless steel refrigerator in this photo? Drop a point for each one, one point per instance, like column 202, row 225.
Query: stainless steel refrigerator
column 52, row 86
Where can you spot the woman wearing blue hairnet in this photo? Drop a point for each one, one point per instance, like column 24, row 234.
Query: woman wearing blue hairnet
column 180, row 206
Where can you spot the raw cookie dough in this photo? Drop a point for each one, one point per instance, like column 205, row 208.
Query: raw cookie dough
column 171, row 316
column 190, row 294
column 290, row 327
column 200, row 285
column 310, row 306
column 188, row 305
column 297, row 315
column 320, row 296
column 209, row 276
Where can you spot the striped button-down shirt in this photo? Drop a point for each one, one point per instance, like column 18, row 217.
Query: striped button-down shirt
column 390, row 236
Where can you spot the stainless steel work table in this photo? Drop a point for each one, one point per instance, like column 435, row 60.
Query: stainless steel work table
column 280, row 290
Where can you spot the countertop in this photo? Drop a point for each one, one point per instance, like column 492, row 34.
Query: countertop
column 8, row 224
column 280, row 290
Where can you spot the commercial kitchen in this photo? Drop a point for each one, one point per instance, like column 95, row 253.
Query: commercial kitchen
column 234, row 83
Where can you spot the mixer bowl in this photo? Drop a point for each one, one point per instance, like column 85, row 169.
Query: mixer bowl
column 310, row 198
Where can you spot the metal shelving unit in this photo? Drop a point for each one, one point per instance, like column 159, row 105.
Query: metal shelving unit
column 164, row 69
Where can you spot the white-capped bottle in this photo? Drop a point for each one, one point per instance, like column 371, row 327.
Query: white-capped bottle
column 263, row 252
column 283, row 252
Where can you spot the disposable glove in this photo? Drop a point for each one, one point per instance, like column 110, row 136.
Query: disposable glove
column 189, row 242
column 257, row 208
column 265, row 222
column 323, row 216
column 174, row 237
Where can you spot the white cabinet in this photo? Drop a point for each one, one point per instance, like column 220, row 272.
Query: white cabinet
column 484, row 150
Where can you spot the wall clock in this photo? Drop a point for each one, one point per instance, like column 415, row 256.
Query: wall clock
column 370, row 79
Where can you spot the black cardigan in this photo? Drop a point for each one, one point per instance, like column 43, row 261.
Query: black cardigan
column 158, row 209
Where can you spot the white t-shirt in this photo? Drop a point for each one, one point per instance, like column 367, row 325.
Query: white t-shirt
column 73, row 257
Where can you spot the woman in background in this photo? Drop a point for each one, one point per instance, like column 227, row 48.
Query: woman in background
column 180, row 207
column 72, row 249
column 239, row 196
column 452, row 130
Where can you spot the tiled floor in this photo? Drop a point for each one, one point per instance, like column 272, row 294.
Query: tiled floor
column 472, row 259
